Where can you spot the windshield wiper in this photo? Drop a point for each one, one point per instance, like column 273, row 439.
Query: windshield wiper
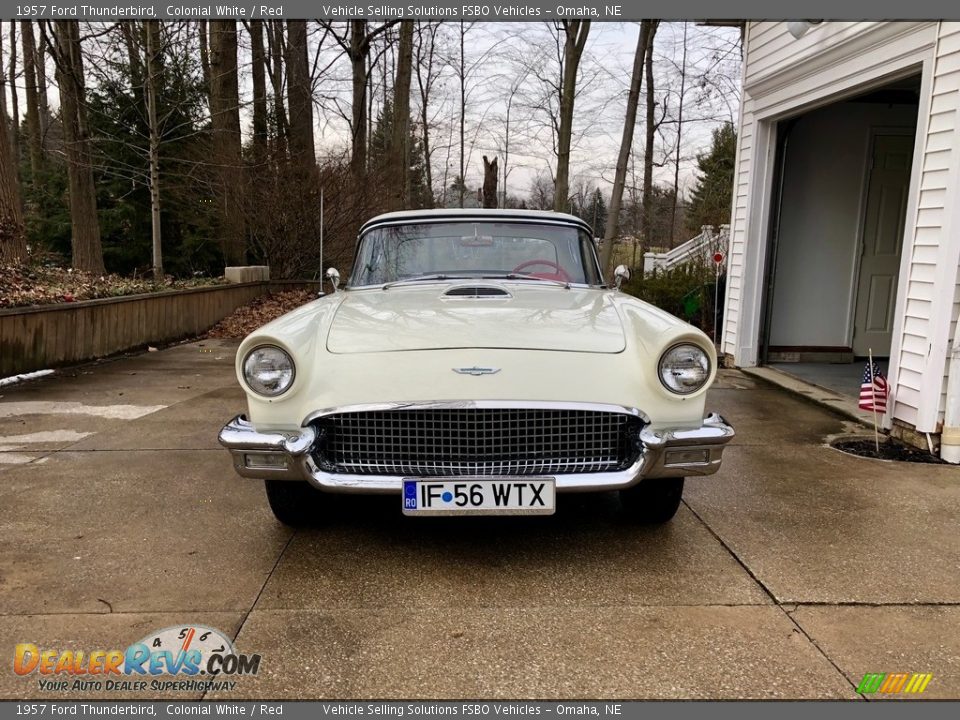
column 419, row 278
column 528, row 276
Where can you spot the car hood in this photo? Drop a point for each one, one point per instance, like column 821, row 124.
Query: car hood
column 427, row 317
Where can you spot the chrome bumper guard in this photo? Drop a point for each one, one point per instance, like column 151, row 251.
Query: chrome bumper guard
column 285, row 455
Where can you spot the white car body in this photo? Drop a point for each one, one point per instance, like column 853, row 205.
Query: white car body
column 475, row 343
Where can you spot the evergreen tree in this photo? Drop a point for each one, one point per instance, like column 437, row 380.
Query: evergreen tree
column 189, row 217
column 711, row 198
column 595, row 213
column 380, row 141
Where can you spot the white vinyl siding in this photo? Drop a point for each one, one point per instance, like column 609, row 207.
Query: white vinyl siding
column 738, row 227
column 918, row 361
column 784, row 76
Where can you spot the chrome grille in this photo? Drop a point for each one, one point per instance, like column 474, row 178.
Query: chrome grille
column 477, row 441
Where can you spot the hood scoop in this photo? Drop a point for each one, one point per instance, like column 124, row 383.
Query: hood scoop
column 477, row 292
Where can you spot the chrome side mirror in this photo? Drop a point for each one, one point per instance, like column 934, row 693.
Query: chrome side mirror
column 333, row 275
column 621, row 275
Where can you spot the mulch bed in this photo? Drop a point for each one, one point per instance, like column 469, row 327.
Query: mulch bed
column 889, row 450
column 39, row 284
column 244, row 320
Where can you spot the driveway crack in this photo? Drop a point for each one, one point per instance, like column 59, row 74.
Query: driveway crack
column 263, row 587
column 787, row 612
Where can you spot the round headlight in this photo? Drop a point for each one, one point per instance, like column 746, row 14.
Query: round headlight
column 268, row 371
column 684, row 369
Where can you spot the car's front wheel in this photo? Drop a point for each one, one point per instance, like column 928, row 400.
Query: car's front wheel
column 295, row 503
column 654, row 500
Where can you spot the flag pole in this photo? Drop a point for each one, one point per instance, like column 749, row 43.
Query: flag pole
column 873, row 395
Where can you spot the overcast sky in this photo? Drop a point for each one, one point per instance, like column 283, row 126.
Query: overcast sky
column 524, row 57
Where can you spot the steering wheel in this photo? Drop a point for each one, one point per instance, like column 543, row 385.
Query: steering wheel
column 559, row 273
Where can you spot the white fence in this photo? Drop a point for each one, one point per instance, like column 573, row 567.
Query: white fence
column 700, row 248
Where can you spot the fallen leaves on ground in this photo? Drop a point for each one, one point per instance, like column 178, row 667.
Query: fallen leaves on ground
column 22, row 285
column 244, row 320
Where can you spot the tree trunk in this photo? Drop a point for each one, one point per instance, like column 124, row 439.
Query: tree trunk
column 87, row 252
column 14, row 96
column 676, row 163
column 258, row 63
column 225, row 121
column 425, row 84
column 651, row 132
column 463, row 114
column 13, row 241
column 300, row 100
column 490, row 176
column 276, row 48
column 204, row 53
column 358, row 63
column 576, row 32
column 41, row 70
column 399, row 157
column 134, row 34
column 626, row 145
column 152, row 33
column 506, row 152
column 34, row 132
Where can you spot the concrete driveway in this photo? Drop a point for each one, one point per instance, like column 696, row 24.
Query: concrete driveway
column 790, row 574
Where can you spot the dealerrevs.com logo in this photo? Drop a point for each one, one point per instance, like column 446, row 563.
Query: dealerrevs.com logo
column 180, row 658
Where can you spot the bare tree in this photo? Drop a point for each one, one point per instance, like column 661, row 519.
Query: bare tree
column 86, row 249
column 676, row 164
column 626, row 145
column 462, row 76
column 276, row 49
column 576, row 32
column 399, row 152
column 225, row 122
column 426, row 78
column 13, row 242
column 204, row 52
column 356, row 44
column 258, row 74
column 512, row 90
column 651, row 133
column 153, row 48
column 300, row 100
column 14, row 95
column 34, row 131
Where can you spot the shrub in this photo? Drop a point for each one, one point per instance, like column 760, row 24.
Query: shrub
column 685, row 290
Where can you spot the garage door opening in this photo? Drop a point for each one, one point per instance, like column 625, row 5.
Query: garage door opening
column 836, row 236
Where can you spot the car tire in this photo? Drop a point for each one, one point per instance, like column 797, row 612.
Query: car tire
column 294, row 503
column 652, row 501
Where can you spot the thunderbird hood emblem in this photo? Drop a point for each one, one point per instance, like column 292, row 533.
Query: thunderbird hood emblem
column 476, row 370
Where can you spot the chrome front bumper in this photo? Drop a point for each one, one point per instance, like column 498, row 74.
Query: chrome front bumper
column 286, row 456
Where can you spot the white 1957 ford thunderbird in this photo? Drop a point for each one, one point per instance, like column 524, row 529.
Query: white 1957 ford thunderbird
column 476, row 364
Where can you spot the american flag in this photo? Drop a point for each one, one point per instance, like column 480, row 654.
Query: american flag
column 873, row 389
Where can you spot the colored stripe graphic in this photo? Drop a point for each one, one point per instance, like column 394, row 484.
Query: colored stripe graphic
column 918, row 683
column 871, row 683
column 891, row 683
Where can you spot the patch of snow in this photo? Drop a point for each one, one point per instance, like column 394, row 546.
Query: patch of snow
column 25, row 376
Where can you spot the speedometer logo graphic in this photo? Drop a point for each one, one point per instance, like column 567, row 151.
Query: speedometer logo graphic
column 180, row 639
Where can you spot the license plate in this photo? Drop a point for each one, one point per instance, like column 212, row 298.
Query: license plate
column 479, row 496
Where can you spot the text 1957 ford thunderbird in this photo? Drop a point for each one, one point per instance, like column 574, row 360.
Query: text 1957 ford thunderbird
column 476, row 364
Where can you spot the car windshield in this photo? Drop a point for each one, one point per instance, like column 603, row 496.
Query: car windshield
column 475, row 249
